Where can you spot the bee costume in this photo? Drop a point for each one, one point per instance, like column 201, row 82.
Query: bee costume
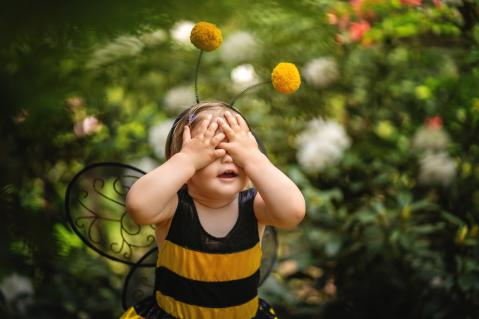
column 193, row 275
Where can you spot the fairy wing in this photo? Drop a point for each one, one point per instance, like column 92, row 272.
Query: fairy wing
column 269, row 247
column 95, row 207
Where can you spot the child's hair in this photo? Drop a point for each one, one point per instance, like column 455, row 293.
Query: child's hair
column 189, row 117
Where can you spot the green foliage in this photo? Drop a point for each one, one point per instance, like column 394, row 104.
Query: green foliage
column 377, row 241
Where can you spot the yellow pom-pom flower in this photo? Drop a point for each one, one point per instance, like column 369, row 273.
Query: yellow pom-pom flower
column 286, row 78
column 206, row 36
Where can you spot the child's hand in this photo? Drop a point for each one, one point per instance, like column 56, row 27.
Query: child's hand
column 241, row 142
column 201, row 148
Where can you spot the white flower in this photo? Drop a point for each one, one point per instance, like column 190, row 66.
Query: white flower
column 321, row 72
column 321, row 144
column 153, row 38
column 180, row 32
column 243, row 76
column 122, row 47
column 429, row 138
column 87, row 126
column 146, row 164
column 179, row 98
column 238, row 47
column 158, row 135
column 18, row 291
column 436, row 169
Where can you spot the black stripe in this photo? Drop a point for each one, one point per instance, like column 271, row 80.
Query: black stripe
column 206, row 294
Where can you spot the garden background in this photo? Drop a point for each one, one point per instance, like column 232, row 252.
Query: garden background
column 382, row 138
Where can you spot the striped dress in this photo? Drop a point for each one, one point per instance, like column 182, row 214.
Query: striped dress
column 200, row 276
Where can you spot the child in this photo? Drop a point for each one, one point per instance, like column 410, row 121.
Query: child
column 208, row 223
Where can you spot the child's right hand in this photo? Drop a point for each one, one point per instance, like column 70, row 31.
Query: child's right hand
column 201, row 148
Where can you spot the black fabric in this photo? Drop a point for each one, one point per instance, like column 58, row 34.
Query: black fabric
column 207, row 294
column 149, row 309
column 243, row 235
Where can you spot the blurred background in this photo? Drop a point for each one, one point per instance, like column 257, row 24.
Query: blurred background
column 382, row 138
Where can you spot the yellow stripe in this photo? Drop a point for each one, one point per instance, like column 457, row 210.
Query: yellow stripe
column 131, row 314
column 186, row 311
column 192, row 264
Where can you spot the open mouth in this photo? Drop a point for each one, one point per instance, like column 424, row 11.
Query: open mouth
column 228, row 174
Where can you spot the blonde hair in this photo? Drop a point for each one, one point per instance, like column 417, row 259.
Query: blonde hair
column 189, row 117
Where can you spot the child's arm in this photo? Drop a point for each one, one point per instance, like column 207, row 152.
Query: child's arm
column 153, row 198
column 279, row 202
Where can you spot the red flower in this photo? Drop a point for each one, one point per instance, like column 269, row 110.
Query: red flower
column 434, row 122
column 358, row 29
column 411, row 2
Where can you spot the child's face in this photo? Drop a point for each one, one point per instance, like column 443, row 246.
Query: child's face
column 208, row 181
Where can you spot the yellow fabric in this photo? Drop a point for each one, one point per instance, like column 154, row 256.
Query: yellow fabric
column 131, row 314
column 187, row 311
column 192, row 264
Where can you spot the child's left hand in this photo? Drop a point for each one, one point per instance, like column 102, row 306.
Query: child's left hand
column 241, row 143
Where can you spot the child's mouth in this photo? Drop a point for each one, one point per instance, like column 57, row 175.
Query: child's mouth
column 227, row 175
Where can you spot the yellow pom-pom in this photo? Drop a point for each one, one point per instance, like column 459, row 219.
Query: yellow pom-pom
column 285, row 78
column 206, row 36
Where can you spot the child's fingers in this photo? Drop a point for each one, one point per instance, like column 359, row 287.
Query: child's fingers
column 231, row 120
column 204, row 124
column 219, row 153
column 217, row 139
column 226, row 128
column 186, row 134
column 211, row 129
column 242, row 122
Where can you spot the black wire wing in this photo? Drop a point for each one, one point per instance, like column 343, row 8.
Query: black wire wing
column 269, row 247
column 140, row 281
column 95, row 208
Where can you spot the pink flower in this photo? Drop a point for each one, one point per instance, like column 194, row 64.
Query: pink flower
column 343, row 22
column 87, row 126
column 434, row 122
column 437, row 3
column 411, row 2
column 358, row 29
column 332, row 18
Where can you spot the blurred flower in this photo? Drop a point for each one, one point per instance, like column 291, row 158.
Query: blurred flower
column 358, row 29
column 332, row 18
column 122, row 47
column 411, row 2
column 153, row 38
column 74, row 101
column 158, row 135
column 206, row 36
column 321, row 72
column 239, row 46
column 146, row 164
column 434, row 122
column 18, row 291
column 87, row 126
column 180, row 32
column 437, row 282
column 21, row 116
column 179, row 98
column 436, row 169
column 244, row 76
column 430, row 137
column 321, row 144
column 286, row 78
column 287, row 267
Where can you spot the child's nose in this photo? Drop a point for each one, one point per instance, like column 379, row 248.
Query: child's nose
column 227, row 158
